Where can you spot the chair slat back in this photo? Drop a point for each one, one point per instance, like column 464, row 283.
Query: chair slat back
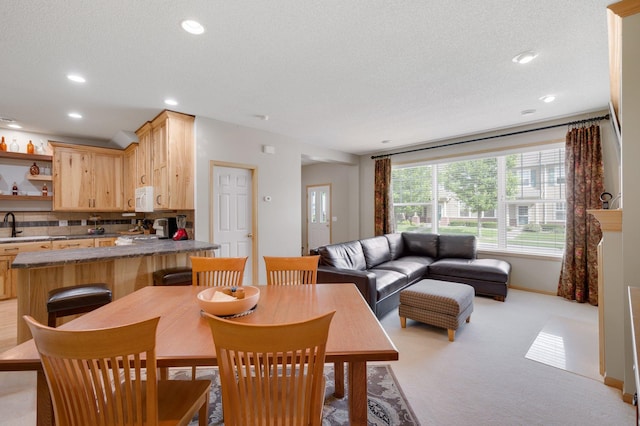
column 291, row 270
column 217, row 271
column 98, row 377
column 271, row 374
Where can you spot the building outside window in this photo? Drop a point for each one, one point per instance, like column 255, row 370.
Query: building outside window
column 512, row 201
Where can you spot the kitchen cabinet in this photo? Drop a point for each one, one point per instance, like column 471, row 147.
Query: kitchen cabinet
column 105, row 242
column 73, row 244
column 8, row 276
column 129, row 169
column 39, row 180
column 172, row 153
column 87, row 178
column 143, row 175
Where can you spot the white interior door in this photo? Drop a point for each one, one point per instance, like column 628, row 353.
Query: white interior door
column 232, row 215
column 318, row 215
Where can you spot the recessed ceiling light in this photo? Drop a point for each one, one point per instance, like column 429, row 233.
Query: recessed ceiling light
column 192, row 27
column 548, row 98
column 528, row 112
column 74, row 115
column 76, row 78
column 15, row 126
column 525, row 57
column 171, row 102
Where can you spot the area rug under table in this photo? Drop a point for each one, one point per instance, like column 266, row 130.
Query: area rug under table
column 386, row 402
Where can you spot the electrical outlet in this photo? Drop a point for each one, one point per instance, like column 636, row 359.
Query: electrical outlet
column 63, row 223
column 83, row 222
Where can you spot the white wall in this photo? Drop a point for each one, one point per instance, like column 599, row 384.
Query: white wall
column 531, row 273
column 630, row 123
column 278, row 174
column 345, row 189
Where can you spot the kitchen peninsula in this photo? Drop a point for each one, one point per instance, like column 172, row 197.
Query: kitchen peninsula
column 124, row 269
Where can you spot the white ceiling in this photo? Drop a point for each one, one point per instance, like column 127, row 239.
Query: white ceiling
column 343, row 74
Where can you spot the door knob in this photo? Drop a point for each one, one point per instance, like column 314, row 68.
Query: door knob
column 249, row 235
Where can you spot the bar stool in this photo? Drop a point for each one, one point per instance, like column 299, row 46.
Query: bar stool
column 76, row 300
column 172, row 276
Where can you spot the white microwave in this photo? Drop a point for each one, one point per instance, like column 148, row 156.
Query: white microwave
column 144, row 199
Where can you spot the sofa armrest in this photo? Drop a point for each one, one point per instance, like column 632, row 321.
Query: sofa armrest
column 364, row 280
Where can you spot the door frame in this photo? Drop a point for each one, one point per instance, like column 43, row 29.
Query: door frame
column 330, row 217
column 254, row 208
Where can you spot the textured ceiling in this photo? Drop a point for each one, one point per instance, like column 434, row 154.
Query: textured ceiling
column 343, row 74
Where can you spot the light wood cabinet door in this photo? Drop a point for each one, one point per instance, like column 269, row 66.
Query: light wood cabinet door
column 87, row 179
column 130, row 176
column 7, row 278
column 105, row 242
column 173, row 155
column 72, row 244
column 108, row 182
column 72, row 179
column 144, row 171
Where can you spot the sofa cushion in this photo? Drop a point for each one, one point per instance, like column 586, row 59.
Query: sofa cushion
column 347, row 255
column 396, row 245
column 388, row 282
column 476, row 269
column 376, row 251
column 421, row 244
column 458, row 246
column 414, row 267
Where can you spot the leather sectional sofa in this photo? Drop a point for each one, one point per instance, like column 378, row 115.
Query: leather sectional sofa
column 382, row 266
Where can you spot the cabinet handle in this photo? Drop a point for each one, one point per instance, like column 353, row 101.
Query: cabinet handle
column 142, row 178
column 129, row 202
column 158, row 199
column 12, row 249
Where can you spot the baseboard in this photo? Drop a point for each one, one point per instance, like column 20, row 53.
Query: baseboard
column 614, row 383
column 531, row 290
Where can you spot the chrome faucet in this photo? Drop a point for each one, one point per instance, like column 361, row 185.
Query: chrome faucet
column 13, row 223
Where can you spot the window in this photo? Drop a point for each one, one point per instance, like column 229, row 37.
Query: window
column 510, row 201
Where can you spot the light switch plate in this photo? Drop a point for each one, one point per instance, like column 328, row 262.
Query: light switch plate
column 63, row 223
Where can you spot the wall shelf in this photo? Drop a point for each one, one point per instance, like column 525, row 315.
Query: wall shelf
column 46, row 178
column 23, row 156
column 26, row 197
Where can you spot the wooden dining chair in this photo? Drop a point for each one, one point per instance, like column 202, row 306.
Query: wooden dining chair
column 291, row 270
column 217, row 271
column 271, row 374
column 108, row 377
column 300, row 270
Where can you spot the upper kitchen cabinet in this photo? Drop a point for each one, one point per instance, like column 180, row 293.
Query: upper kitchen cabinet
column 87, row 178
column 143, row 157
column 130, row 162
column 172, row 153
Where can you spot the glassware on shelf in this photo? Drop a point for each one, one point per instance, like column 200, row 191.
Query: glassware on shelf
column 30, row 148
column 14, row 147
column 34, row 170
column 3, row 145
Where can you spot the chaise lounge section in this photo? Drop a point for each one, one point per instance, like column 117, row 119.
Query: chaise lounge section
column 382, row 266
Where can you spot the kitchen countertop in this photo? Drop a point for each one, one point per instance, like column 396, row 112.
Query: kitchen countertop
column 146, row 247
column 36, row 238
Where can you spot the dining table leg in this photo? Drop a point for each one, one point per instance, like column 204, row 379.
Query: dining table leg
column 358, row 393
column 44, row 406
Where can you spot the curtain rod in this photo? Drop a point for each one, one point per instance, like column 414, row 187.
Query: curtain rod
column 571, row 123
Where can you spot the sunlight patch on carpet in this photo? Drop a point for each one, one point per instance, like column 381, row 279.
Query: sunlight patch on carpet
column 568, row 344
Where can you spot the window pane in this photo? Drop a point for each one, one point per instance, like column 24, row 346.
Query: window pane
column 522, row 193
column 412, row 201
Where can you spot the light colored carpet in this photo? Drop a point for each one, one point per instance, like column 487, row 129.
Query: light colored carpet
column 483, row 378
column 568, row 344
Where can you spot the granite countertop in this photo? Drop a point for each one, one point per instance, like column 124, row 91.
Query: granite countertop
column 150, row 247
column 30, row 239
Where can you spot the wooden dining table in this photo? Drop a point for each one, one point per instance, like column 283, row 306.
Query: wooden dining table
column 184, row 338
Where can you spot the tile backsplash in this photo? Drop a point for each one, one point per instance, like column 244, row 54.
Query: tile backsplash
column 72, row 223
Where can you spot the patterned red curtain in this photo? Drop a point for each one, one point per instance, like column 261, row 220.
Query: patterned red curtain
column 584, row 177
column 383, row 202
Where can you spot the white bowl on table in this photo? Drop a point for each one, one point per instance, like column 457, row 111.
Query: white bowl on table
column 228, row 307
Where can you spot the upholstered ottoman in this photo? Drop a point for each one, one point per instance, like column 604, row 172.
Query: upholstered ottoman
column 438, row 303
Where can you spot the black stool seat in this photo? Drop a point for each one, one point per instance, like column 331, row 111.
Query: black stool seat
column 76, row 300
column 172, row 276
